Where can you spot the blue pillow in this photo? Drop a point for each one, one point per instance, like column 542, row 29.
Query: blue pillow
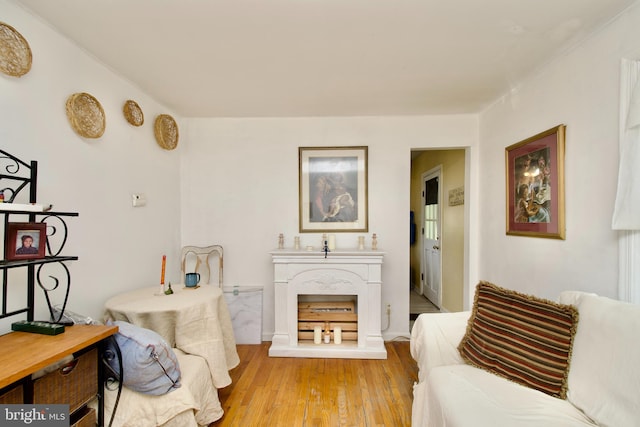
column 149, row 364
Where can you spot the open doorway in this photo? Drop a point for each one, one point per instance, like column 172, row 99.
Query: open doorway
column 437, row 246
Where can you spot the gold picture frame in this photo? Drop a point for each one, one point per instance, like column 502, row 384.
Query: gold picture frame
column 333, row 189
column 535, row 185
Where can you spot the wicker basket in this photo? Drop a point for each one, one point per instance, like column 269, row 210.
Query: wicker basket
column 166, row 132
column 86, row 417
column 15, row 53
column 86, row 115
column 75, row 383
column 133, row 113
column 12, row 396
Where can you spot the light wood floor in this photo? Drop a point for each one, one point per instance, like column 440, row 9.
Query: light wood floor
column 276, row 391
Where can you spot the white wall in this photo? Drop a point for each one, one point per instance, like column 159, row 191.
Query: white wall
column 119, row 247
column 240, row 189
column 581, row 90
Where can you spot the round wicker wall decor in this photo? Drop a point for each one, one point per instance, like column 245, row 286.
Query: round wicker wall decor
column 86, row 115
column 15, row 53
column 133, row 113
column 166, row 131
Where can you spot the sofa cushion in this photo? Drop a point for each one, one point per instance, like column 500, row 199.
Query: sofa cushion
column 464, row 396
column 604, row 380
column 520, row 337
column 150, row 365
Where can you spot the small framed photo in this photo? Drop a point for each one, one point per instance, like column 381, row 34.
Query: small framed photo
column 535, row 185
column 333, row 189
column 25, row 240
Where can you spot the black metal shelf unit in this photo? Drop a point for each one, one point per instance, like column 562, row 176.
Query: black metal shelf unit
column 18, row 177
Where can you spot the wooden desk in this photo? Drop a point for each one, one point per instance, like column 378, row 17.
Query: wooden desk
column 197, row 321
column 25, row 353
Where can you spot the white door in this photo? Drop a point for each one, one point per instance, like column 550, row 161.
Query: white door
column 431, row 282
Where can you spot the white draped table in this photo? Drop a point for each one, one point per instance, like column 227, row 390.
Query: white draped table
column 195, row 320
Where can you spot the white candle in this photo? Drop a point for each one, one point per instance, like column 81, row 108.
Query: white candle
column 327, row 338
column 332, row 242
column 337, row 334
column 317, row 335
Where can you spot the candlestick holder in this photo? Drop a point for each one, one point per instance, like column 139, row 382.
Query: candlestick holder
column 160, row 291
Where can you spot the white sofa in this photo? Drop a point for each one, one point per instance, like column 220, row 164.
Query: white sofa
column 603, row 379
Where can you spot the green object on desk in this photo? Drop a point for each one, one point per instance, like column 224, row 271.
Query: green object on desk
column 37, row 327
column 169, row 291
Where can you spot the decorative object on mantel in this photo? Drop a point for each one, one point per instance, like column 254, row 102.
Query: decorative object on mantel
column 374, row 242
column 325, row 245
column 15, row 53
column 85, row 115
column 166, row 132
column 281, row 241
column 361, row 242
column 296, row 242
column 133, row 113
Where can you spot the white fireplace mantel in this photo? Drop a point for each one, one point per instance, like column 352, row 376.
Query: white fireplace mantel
column 356, row 272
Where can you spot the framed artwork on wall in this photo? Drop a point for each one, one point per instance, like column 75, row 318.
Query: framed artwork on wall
column 25, row 240
column 535, row 185
column 333, row 189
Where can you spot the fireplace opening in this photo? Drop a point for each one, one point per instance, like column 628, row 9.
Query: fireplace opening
column 322, row 315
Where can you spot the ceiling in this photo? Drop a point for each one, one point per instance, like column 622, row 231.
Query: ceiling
column 270, row 58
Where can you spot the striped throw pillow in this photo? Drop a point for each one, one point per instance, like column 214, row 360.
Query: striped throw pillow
column 520, row 337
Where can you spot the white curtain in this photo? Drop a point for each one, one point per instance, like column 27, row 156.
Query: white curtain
column 626, row 215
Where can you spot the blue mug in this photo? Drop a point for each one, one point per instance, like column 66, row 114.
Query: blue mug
column 191, row 279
